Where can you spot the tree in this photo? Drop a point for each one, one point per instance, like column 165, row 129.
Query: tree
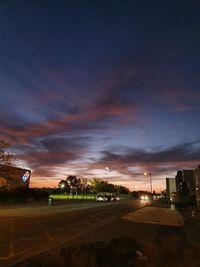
column 110, row 188
column 98, row 185
column 5, row 157
column 120, row 189
column 85, row 187
column 74, row 183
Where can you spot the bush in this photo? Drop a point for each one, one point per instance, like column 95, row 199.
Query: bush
column 119, row 252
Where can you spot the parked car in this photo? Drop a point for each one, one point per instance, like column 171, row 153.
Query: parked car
column 101, row 199
column 115, row 198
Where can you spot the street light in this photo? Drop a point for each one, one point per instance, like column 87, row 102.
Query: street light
column 62, row 185
column 150, row 180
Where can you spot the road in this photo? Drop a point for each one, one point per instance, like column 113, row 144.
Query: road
column 28, row 231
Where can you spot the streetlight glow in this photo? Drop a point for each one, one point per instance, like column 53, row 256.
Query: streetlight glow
column 62, row 185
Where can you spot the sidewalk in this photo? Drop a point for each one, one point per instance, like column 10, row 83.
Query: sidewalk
column 168, row 217
column 192, row 227
column 156, row 215
column 177, row 242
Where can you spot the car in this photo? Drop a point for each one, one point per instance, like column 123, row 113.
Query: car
column 100, row 199
column 118, row 198
column 115, row 198
column 144, row 197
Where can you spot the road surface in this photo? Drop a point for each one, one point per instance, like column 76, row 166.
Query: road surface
column 28, row 231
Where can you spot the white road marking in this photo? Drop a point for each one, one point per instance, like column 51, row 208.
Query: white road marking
column 11, row 243
column 73, row 228
column 41, row 249
column 44, row 230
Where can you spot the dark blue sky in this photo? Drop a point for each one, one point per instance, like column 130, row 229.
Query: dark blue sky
column 87, row 85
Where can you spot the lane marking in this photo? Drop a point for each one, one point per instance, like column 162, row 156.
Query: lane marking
column 11, row 243
column 57, row 242
column 29, row 238
column 9, row 257
column 58, row 228
column 4, row 258
column 73, row 228
column 41, row 249
column 44, row 230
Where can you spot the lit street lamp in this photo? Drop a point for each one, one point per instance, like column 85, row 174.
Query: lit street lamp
column 62, row 185
column 150, row 180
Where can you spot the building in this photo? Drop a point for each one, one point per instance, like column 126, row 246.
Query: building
column 185, row 185
column 171, row 188
column 179, row 185
column 188, row 177
column 197, row 185
column 12, row 178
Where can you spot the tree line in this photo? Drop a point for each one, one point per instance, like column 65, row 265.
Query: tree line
column 74, row 185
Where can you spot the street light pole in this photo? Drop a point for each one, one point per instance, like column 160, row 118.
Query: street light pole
column 150, row 180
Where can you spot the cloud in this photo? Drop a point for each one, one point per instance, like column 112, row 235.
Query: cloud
column 53, row 151
column 110, row 106
column 182, row 152
column 59, row 159
column 47, row 158
column 159, row 161
column 65, row 143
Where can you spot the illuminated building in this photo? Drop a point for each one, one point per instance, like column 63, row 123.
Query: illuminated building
column 12, row 178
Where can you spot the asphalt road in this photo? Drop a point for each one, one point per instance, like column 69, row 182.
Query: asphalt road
column 28, row 231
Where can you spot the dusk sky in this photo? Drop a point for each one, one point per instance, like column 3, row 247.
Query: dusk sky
column 105, row 89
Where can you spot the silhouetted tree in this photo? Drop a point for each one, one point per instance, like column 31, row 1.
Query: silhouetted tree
column 110, row 188
column 74, row 184
column 121, row 190
column 5, row 157
column 98, row 185
column 63, row 186
column 85, row 187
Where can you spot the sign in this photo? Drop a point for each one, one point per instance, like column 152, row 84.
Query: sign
column 25, row 177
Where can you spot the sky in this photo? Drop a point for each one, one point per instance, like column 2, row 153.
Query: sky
column 106, row 89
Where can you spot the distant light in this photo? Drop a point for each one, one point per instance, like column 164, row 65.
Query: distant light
column 107, row 169
column 62, row 185
column 144, row 197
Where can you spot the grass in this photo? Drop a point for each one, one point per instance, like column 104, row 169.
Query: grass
column 73, row 197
